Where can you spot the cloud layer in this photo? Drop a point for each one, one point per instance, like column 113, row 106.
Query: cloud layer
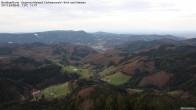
column 102, row 15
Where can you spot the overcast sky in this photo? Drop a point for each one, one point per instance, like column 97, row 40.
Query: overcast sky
column 103, row 15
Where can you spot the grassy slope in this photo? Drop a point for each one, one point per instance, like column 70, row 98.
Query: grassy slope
column 81, row 71
column 84, row 73
column 117, row 79
column 70, row 69
column 107, row 70
column 57, row 90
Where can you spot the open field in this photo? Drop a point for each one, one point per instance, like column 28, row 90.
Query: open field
column 56, row 91
column 117, row 78
column 107, row 70
column 81, row 71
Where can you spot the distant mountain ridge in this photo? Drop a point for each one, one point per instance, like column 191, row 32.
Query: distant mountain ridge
column 78, row 37
column 46, row 37
column 142, row 45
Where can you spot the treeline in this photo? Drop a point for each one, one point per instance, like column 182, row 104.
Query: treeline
column 15, row 83
column 103, row 97
column 183, row 67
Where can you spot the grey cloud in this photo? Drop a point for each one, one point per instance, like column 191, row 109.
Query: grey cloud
column 166, row 4
column 138, row 5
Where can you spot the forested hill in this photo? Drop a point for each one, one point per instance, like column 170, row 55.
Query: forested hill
column 65, row 76
column 78, row 37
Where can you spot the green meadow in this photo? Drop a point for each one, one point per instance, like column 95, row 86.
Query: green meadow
column 56, row 91
column 117, row 78
column 107, row 70
column 84, row 73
